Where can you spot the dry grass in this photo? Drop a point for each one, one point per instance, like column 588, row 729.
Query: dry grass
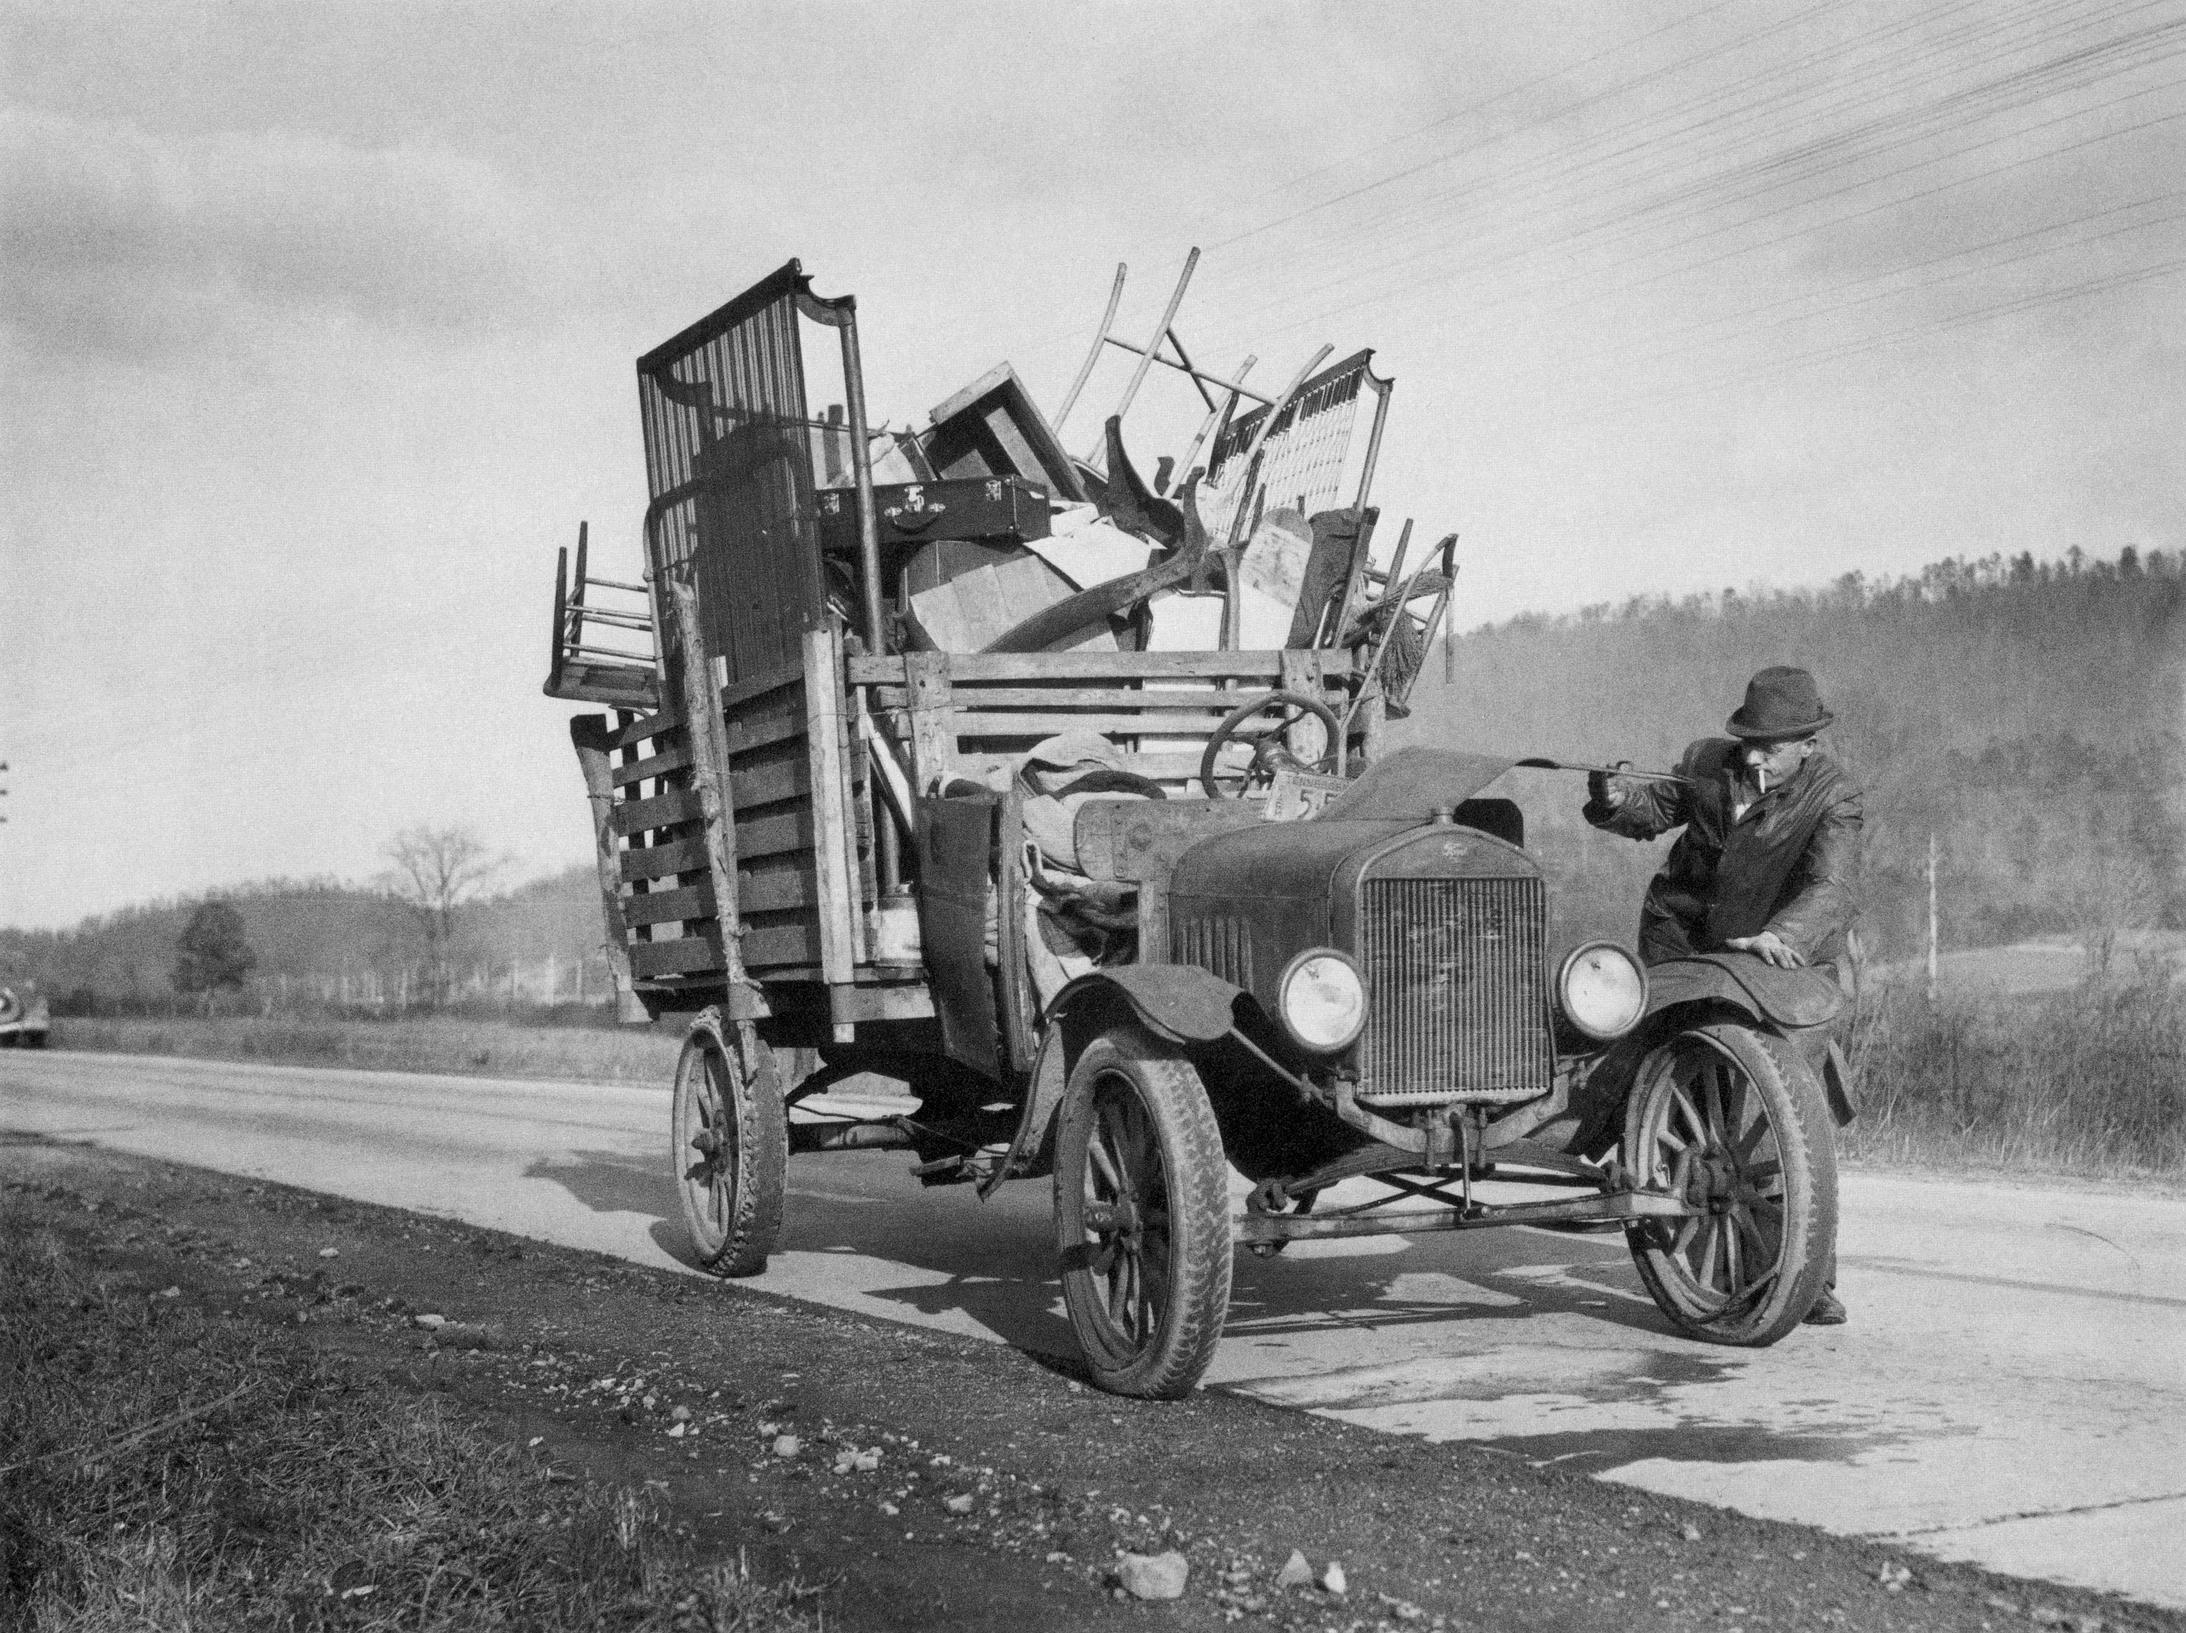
column 163, row 1470
column 2088, row 1081
column 473, row 1048
column 2091, row 1081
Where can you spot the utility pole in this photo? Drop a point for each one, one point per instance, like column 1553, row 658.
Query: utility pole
column 1931, row 918
column 3, row 791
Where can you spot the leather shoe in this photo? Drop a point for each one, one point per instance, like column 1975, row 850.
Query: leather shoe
column 1828, row 1311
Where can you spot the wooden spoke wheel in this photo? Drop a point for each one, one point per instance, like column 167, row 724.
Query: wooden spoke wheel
column 1142, row 1217
column 729, row 1150
column 1731, row 1120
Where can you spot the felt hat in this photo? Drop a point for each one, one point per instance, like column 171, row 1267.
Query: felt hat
column 1780, row 702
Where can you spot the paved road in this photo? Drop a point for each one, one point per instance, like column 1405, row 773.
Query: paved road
column 2012, row 1389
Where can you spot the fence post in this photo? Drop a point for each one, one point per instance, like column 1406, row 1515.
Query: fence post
column 1931, row 919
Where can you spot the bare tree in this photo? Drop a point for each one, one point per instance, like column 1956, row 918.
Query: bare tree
column 437, row 872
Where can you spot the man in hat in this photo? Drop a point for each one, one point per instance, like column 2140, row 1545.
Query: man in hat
column 1769, row 856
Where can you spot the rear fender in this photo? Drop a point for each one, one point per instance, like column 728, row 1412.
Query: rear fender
column 1180, row 1003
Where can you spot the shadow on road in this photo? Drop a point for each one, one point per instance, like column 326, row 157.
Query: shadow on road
column 993, row 1263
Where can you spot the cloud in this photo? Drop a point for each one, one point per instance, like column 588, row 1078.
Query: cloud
column 117, row 240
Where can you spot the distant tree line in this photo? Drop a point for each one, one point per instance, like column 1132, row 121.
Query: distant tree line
column 2027, row 713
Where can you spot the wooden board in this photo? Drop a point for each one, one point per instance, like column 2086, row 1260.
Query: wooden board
column 675, row 957
column 663, row 861
column 660, row 811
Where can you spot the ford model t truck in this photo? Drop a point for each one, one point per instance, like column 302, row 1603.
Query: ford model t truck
column 812, row 831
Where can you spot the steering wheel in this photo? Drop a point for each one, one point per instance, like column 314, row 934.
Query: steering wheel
column 1268, row 752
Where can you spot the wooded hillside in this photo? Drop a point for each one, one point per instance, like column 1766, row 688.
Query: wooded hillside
column 339, row 943
column 2027, row 714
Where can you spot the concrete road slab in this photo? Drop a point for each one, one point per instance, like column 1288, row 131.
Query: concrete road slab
column 2011, row 1389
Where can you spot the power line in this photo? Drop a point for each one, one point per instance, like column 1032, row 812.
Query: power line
column 1812, row 359
column 1634, row 212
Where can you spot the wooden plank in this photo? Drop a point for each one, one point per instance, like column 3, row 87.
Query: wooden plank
column 670, row 906
column 660, row 811
column 933, row 743
column 907, row 1001
column 676, row 957
column 652, row 725
column 1007, row 666
column 968, row 724
column 664, row 861
column 775, row 888
column 830, row 814
column 769, row 784
column 1084, row 697
column 782, row 723
column 645, row 770
column 775, row 944
column 733, row 698
column 775, row 835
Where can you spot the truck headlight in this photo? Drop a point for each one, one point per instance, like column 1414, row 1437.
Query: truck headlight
column 1322, row 1000
column 1601, row 990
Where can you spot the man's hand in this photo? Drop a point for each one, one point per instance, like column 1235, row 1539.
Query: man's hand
column 1606, row 789
column 1770, row 946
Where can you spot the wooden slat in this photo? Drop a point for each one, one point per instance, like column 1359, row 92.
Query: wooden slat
column 749, row 732
column 675, row 957
column 773, row 835
column 660, row 861
column 1007, row 666
column 674, row 759
column 653, row 725
column 767, row 784
column 641, row 815
column 968, row 724
column 778, row 888
column 1084, row 697
column 733, row 697
column 781, row 944
column 670, row 906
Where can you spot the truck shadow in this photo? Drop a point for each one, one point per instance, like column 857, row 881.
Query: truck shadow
column 990, row 1266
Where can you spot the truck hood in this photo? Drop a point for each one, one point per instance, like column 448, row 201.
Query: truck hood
column 1412, row 784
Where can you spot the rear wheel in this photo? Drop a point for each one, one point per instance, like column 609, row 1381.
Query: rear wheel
column 1730, row 1119
column 729, row 1150
column 1142, row 1217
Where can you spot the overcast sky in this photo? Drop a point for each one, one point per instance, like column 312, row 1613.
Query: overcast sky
column 319, row 323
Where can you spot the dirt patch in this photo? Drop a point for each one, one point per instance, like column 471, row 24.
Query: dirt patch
column 925, row 1481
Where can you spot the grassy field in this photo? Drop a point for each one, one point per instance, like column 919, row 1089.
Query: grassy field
column 163, row 1469
column 2089, row 1079
column 471, row 1048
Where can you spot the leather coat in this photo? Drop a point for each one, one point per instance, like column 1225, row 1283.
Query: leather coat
column 1789, row 863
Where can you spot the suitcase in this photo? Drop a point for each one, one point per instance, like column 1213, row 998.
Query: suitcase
column 1001, row 509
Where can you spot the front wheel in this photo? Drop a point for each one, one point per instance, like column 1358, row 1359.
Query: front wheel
column 730, row 1152
column 1731, row 1120
column 1142, row 1217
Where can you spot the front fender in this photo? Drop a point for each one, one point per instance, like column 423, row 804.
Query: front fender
column 1180, row 1002
column 1789, row 999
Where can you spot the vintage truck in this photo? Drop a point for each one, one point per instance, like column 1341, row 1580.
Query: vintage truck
column 812, row 841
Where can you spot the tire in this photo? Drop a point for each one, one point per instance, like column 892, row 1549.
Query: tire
column 1149, row 1290
column 1728, row 1114
column 729, row 1151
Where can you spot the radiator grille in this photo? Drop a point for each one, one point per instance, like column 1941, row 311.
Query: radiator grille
column 1457, row 985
